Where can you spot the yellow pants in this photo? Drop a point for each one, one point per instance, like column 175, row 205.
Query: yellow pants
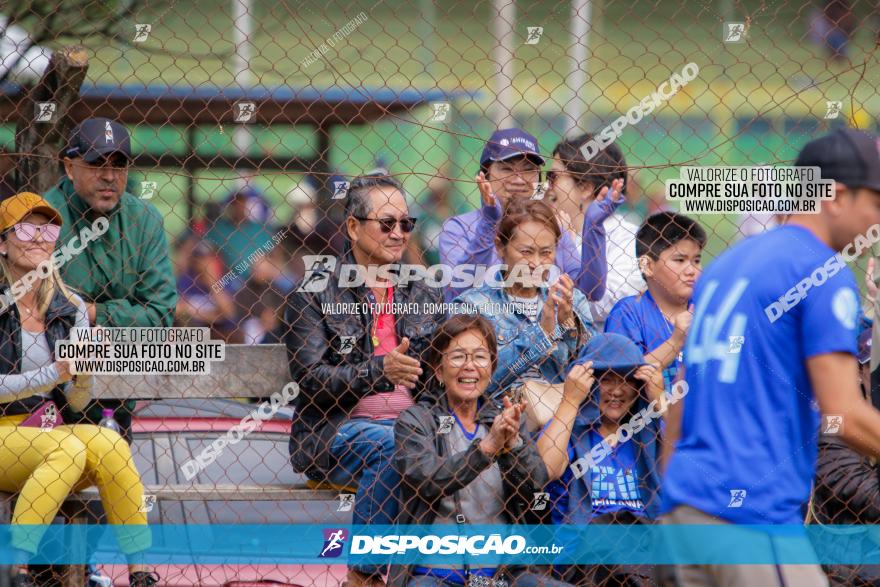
column 44, row 467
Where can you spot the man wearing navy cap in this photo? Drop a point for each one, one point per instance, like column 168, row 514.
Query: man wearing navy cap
column 510, row 167
column 124, row 275
column 775, row 329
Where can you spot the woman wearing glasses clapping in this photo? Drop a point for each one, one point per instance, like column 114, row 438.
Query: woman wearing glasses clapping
column 465, row 459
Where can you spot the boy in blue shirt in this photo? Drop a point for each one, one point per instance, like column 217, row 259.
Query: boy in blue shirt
column 775, row 329
column 669, row 248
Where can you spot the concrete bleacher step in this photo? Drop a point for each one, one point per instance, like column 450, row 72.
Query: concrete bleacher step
column 224, row 493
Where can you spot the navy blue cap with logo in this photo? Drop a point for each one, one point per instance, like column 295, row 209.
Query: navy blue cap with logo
column 98, row 137
column 847, row 155
column 508, row 143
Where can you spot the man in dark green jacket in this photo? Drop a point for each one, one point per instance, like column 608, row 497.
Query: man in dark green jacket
column 124, row 275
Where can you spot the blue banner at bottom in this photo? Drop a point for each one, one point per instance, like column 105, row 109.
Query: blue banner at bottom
column 445, row 544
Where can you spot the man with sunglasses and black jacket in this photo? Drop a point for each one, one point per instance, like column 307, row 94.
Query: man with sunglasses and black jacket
column 357, row 362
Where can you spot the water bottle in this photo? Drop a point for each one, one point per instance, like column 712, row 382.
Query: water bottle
column 97, row 578
column 107, row 421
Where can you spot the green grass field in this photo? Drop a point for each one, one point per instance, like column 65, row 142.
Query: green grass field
column 634, row 44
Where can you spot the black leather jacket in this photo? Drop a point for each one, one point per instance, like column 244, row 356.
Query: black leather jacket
column 430, row 473
column 60, row 318
column 847, row 491
column 331, row 358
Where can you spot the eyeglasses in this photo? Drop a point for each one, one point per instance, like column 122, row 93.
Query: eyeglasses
column 458, row 358
column 25, row 231
column 407, row 225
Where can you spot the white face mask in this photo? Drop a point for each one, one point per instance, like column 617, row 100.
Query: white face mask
column 305, row 219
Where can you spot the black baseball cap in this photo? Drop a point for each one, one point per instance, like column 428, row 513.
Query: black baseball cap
column 847, row 155
column 98, row 137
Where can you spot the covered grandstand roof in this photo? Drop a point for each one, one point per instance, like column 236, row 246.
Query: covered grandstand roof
column 162, row 104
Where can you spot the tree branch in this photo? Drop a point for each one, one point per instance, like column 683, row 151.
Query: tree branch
column 40, row 142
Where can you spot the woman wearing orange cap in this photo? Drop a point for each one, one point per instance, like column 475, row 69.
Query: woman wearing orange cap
column 41, row 461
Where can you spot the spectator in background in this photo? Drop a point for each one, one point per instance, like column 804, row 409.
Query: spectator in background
column 437, row 206
column 242, row 230
column 818, row 27
column 124, row 275
column 261, row 300
column 305, row 214
column 181, row 250
column 578, row 188
column 543, row 335
column 840, row 26
column 623, row 487
column 213, row 211
column 483, row 469
column 657, row 202
column 311, row 230
column 636, row 206
column 847, row 487
column 875, row 22
column 7, row 173
column 669, row 247
column 357, row 372
column 203, row 301
column 510, row 168
column 752, row 223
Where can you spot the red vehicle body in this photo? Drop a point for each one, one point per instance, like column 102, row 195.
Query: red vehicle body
column 167, row 435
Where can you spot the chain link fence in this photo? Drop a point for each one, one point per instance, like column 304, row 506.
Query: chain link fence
column 273, row 156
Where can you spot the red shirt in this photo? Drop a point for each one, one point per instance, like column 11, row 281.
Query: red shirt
column 383, row 406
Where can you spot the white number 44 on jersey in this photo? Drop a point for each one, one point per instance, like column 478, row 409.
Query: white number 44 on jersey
column 711, row 334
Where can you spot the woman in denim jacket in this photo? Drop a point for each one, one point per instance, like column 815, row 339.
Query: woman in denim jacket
column 540, row 329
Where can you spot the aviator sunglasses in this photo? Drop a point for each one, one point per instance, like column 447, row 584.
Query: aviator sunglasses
column 25, row 231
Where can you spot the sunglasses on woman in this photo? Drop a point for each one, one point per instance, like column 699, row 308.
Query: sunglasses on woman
column 25, row 231
column 407, row 225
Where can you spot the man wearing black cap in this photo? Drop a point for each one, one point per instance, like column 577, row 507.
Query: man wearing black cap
column 510, row 167
column 124, row 275
column 774, row 330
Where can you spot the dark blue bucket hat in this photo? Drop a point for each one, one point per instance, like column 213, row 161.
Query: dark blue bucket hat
column 611, row 351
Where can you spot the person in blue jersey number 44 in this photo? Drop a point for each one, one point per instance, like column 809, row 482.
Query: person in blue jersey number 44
column 774, row 329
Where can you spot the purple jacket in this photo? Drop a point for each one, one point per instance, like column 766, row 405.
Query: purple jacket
column 470, row 238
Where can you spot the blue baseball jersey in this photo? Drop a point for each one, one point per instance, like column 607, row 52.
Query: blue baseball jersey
column 747, row 450
column 639, row 319
column 614, row 484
